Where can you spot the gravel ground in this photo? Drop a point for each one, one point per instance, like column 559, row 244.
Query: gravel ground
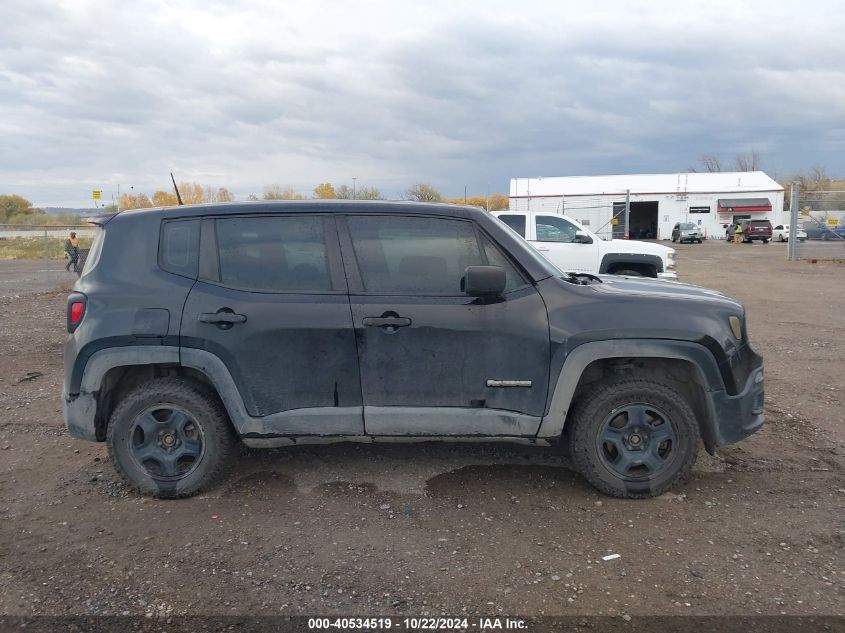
column 431, row 529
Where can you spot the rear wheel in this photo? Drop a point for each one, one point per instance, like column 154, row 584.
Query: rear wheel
column 169, row 437
column 633, row 438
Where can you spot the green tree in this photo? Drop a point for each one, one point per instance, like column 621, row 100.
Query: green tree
column 14, row 205
column 423, row 192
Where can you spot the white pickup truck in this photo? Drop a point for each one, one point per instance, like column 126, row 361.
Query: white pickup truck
column 573, row 248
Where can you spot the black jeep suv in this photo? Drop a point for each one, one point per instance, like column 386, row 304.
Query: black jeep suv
column 321, row 321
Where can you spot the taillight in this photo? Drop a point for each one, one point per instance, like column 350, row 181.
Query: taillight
column 77, row 309
column 76, row 305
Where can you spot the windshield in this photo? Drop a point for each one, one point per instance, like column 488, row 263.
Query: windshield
column 687, row 225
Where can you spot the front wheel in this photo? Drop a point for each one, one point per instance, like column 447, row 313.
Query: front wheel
column 169, row 437
column 633, row 438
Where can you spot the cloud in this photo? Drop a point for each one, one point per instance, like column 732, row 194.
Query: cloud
column 245, row 94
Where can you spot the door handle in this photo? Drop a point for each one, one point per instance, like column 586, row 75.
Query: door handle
column 389, row 323
column 223, row 318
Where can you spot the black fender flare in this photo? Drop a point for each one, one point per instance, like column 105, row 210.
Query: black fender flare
column 562, row 387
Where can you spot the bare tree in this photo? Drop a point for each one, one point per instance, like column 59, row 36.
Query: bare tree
column 711, row 163
column 369, row 193
column 748, row 162
column 818, row 175
column 345, row 192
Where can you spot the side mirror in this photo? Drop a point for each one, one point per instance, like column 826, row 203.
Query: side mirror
column 484, row 281
column 583, row 238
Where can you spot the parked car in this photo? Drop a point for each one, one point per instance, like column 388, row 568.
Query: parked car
column 573, row 248
column 321, row 321
column 686, row 232
column 751, row 230
column 781, row 233
column 817, row 230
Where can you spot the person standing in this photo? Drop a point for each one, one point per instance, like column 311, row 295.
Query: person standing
column 72, row 251
column 738, row 234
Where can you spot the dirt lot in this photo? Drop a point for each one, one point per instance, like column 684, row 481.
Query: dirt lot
column 457, row 529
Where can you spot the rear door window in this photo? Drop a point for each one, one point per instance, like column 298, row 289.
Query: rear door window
column 273, row 254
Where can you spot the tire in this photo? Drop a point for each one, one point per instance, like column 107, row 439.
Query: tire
column 765, row 241
column 673, row 240
column 182, row 414
column 781, row 238
column 650, row 406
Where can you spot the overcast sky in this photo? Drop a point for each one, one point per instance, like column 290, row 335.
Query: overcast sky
column 246, row 94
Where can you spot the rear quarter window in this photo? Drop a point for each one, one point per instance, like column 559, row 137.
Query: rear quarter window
column 179, row 247
column 93, row 256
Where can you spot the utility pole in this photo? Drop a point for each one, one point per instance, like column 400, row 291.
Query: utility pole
column 627, row 213
column 793, row 221
column 465, row 194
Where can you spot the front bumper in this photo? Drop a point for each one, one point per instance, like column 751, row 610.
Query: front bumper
column 670, row 274
column 80, row 414
column 737, row 417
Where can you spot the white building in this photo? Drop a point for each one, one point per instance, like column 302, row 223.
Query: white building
column 657, row 201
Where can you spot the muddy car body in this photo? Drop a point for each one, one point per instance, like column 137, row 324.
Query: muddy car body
column 315, row 322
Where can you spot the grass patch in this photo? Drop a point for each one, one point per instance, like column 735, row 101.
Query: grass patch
column 36, row 247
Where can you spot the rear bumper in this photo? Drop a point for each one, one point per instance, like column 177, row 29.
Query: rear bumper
column 80, row 413
column 737, row 417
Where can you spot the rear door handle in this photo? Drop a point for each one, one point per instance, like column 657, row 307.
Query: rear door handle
column 223, row 318
column 387, row 322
